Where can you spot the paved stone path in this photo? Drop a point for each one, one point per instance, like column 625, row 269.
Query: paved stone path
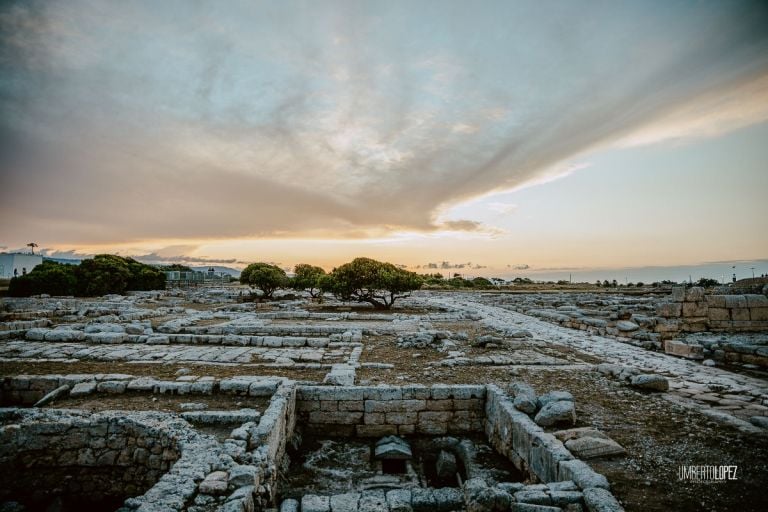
column 714, row 391
column 16, row 350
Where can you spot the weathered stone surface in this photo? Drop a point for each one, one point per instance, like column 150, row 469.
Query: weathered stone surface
column 601, row 500
column 626, row 326
column 345, row 502
column 313, row 503
column 446, row 466
column 592, row 447
column 399, row 500
column 82, row 389
column 393, row 447
column 481, row 498
column 556, row 413
column 525, row 397
column 59, row 392
column 650, row 382
column 554, row 396
column 215, row 483
column 581, row 474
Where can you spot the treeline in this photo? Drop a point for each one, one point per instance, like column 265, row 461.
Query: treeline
column 102, row 275
column 361, row 280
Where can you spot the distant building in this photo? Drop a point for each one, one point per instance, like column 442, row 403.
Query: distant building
column 177, row 278
column 16, row 264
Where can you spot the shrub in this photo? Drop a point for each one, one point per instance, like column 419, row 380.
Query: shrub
column 102, row 275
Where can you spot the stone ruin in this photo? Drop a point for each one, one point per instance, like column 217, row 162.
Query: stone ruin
column 419, row 448
column 259, row 437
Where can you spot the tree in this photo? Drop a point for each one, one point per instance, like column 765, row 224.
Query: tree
column 176, row 267
column 707, row 283
column 371, row 281
column 267, row 278
column 481, row 282
column 307, row 277
column 104, row 274
column 49, row 277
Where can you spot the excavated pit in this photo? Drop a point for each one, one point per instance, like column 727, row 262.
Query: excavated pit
column 71, row 461
column 329, row 466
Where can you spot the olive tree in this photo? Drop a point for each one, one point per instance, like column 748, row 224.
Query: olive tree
column 371, row 281
column 307, row 277
column 265, row 277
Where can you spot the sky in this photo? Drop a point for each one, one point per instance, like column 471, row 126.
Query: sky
column 498, row 137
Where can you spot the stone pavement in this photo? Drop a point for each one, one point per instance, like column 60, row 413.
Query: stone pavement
column 716, row 392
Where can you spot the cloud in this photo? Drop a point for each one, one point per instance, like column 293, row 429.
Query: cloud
column 462, row 225
column 447, row 265
column 240, row 120
column 502, row 208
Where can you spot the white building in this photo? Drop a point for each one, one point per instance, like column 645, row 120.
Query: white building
column 17, row 264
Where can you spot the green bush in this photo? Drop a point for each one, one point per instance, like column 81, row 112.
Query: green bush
column 371, row 281
column 102, row 275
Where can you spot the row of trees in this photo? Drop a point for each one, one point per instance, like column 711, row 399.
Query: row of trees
column 104, row 274
column 361, row 280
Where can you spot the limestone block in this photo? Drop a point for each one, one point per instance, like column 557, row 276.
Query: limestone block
column 718, row 314
column 740, row 314
column 112, row 387
column 350, row 405
column 694, row 294
column 756, row 301
column 695, row 309
column 372, row 501
column 601, row 500
column 735, row 301
column 758, row 314
column 401, row 418
column 399, row 500
column 678, row 293
column 415, row 392
column 679, row 348
column 559, row 412
column 592, row 447
column 423, row 500
column 669, row 309
column 312, row 503
column 582, row 475
column 529, row 507
column 345, row 502
column 215, row 483
column 382, row 393
column 242, row 475
column 650, row 382
column 376, row 430
column 715, row 301
column 338, row 418
column 627, row 326
column 82, row 389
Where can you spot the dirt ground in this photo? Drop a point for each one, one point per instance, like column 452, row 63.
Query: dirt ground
column 659, row 437
column 163, row 403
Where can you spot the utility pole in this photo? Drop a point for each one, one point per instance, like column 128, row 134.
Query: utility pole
column 753, row 272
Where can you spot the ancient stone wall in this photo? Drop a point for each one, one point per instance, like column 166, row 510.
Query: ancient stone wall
column 690, row 310
column 100, row 457
column 368, row 411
